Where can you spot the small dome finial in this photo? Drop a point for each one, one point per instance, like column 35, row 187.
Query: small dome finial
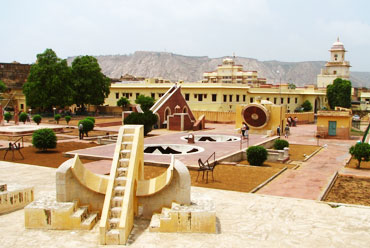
column 338, row 39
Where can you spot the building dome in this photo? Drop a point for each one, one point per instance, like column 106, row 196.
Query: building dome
column 337, row 45
column 228, row 61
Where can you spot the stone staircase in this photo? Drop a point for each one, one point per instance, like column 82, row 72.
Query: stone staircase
column 111, row 230
column 199, row 217
column 50, row 214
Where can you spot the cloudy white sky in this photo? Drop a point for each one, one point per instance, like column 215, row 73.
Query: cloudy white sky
column 285, row 30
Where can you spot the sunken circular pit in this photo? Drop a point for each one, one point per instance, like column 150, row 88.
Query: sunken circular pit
column 213, row 138
column 171, row 149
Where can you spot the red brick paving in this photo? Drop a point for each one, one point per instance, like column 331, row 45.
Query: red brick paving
column 312, row 177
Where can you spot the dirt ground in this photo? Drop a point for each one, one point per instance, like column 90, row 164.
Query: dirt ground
column 271, row 164
column 350, row 190
column 354, row 162
column 28, row 138
column 75, row 120
column 296, row 152
column 51, row 158
column 227, row 177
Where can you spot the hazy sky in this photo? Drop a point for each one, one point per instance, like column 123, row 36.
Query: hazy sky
column 285, row 30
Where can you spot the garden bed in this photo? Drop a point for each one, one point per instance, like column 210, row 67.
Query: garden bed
column 51, row 158
column 350, row 190
column 354, row 162
column 298, row 152
column 227, row 177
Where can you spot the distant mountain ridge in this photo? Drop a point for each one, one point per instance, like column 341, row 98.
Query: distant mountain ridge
column 191, row 68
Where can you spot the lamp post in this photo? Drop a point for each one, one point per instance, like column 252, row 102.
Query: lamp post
column 54, row 111
column 30, row 111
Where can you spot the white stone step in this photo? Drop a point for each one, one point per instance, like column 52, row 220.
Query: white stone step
column 128, row 136
column 120, row 181
column 122, row 171
column 90, row 221
column 80, row 213
column 126, row 145
column 165, row 213
column 125, row 153
column 112, row 237
column 113, row 223
column 119, row 190
column 116, row 212
column 123, row 162
column 117, row 201
column 155, row 223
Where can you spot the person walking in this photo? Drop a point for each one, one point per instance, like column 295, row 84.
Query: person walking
column 244, row 128
column 81, row 131
column 246, row 133
column 278, row 131
column 287, row 130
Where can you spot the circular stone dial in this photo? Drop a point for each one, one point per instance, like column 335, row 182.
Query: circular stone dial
column 255, row 116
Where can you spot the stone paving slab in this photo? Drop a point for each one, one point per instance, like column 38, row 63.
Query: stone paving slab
column 310, row 180
column 221, row 148
column 245, row 220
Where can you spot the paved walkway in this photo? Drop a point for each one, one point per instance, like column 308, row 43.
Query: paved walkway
column 221, row 148
column 312, row 177
column 244, row 220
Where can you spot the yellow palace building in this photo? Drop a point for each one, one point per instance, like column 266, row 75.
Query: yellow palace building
column 222, row 90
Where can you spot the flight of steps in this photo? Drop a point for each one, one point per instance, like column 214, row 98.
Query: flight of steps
column 114, row 214
column 82, row 218
column 49, row 214
column 198, row 217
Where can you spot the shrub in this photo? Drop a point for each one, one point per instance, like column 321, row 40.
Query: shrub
column 123, row 102
column 148, row 119
column 280, row 144
column 67, row 118
column 23, row 117
column 306, row 105
column 256, row 155
column 37, row 119
column 7, row 116
column 146, row 102
column 88, row 125
column 57, row 117
column 91, row 119
column 361, row 151
column 44, row 139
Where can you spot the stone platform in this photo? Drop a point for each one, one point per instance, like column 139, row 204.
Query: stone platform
column 243, row 220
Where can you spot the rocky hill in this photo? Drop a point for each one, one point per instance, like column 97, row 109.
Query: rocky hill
column 190, row 68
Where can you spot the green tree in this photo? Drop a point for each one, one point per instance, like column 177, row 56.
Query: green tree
column 256, row 155
column 307, row 106
column 291, row 86
column 123, row 102
column 146, row 102
column 7, row 116
column 44, row 139
column 361, row 151
column 49, row 82
column 37, row 119
column 339, row 93
column 23, row 117
column 280, row 144
column 148, row 119
column 67, row 118
column 57, row 118
column 90, row 85
column 87, row 124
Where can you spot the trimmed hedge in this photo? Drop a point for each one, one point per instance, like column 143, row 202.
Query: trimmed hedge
column 256, row 155
column 280, row 144
column 57, row 117
column 37, row 119
column 88, row 125
column 7, row 116
column 67, row 118
column 91, row 119
column 44, row 139
column 23, row 117
column 148, row 119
